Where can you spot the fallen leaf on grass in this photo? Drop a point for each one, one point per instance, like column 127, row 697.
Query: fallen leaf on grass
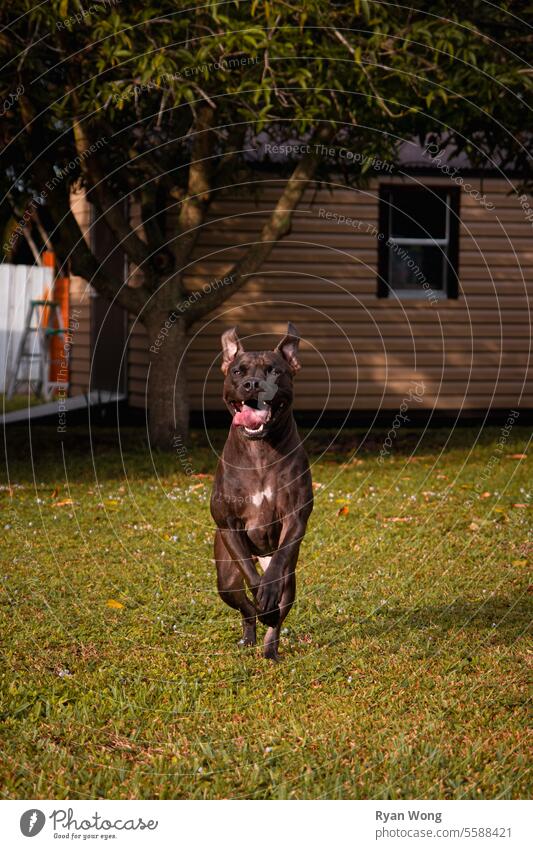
column 485, row 494
column 117, row 742
column 398, row 518
column 473, row 526
column 317, row 485
column 202, row 475
column 114, row 604
column 517, row 456
column 519, row 562
column 63, row 503
column 343, row 511
column 196, row 486
column 356, row 462
column 519, row 505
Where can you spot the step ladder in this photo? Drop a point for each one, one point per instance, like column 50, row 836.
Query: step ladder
column 49, row 323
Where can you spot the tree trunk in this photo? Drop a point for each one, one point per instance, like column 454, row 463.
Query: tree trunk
column 167, row 390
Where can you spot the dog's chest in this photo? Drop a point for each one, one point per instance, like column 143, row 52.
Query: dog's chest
column 261, row 517
column 261, row 509
column 264, row 493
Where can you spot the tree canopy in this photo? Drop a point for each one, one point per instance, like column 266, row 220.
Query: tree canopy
column 163, row 103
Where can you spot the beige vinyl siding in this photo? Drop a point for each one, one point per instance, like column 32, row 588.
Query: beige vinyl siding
column 361, row 352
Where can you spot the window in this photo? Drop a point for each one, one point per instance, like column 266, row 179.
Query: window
column 419, row 244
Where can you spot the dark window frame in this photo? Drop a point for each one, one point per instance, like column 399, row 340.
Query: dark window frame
column 384, row 290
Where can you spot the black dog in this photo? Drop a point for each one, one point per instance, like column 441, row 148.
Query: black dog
column 262, row 495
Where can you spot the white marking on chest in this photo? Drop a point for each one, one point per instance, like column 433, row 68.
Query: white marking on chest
column 257, row 497
column 264, row 562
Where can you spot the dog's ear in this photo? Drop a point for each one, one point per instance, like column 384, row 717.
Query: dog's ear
column 288, row 347
column 231, row 347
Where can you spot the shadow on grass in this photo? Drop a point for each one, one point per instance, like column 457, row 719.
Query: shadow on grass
column 103, row 453
column 501, row 619
column 109, row 452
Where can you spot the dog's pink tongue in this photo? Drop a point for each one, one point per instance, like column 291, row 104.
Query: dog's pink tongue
column 250, row 417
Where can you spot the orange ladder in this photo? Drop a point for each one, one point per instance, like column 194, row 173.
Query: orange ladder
column 49, row 325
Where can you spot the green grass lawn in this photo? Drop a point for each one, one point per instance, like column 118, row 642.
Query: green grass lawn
column 18, row 402
column 405, row 658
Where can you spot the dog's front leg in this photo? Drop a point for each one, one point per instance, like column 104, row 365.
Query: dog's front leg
column 234, row 541
column 288, row 594
column 283, row 562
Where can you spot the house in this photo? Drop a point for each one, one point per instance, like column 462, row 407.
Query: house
column 417, row 286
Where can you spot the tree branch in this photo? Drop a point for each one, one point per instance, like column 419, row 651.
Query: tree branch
column 148, row 205
column 72, row 249
column 66, row 237
column 376, row 93
column 137, row 251
column 233, row 147
column 277, row 226
column 195, row 204
column 45, row 236
column 33, row 247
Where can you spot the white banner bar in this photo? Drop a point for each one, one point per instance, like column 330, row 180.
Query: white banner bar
column 263, row 825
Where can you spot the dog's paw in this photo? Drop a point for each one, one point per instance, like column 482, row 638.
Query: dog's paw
column 248, row 636
column 272, row 655
column 270, row 647
column 268, row 598
column 247, row 642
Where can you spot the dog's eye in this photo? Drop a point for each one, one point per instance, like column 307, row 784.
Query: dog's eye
column 236, row 371
column 273, row 370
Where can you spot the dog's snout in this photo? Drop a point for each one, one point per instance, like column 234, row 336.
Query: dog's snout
column 251, row 384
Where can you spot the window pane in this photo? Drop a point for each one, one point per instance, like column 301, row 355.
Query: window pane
column 418, row 214
column 417, row 267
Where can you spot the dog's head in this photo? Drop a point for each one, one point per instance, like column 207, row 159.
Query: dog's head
column 258, row 384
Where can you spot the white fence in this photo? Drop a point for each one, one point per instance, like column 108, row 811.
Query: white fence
column 19, row 284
